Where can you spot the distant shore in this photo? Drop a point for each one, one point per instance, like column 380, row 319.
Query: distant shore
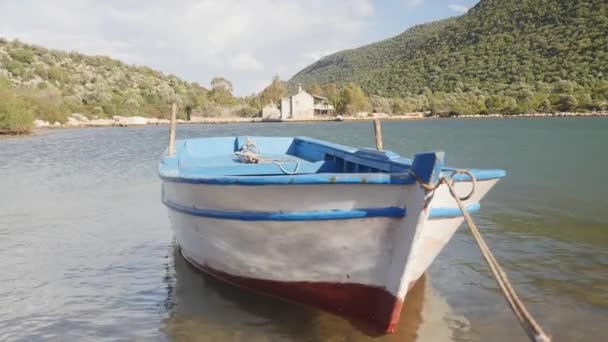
column 79, row 120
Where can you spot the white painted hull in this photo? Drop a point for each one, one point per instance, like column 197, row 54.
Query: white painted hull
column 383, row 254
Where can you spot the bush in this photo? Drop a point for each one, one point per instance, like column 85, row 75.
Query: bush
column 246, row 112
column 22, row 55
column 567, row 103
column 16, row 68
column 97, row 111
column 381, row 105
column 52, row 114
column 16, row 116
column 47, row 104
column 353, row 100
column 56, row 74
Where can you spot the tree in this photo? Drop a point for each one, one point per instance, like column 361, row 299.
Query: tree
column 401, row 106
column 221, row 91
column 274, row 92
column 315, row 89
column 353, row 100
column 545, row 106
column 333, row 94
column 221, row 83
column 381, row 105
column 567, row 103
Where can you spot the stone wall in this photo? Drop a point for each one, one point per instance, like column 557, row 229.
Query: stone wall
column 271, row 112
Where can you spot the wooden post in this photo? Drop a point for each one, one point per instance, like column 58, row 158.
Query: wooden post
column 172, row 130
column 378, row 134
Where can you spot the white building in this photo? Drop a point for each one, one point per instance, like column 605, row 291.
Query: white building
column 304, row 106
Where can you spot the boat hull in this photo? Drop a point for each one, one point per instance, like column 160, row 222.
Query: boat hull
column 346, row 249
column 372, row 308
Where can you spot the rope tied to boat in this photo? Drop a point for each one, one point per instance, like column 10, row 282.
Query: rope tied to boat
column 250, row 153
column 532, row 328
column 446, row 179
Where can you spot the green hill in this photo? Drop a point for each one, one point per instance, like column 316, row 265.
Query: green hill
column 499, row 46
column 95, row 85
column 51, row 85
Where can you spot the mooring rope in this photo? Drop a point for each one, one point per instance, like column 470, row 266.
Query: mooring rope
column 250, row 154
column 532, row 328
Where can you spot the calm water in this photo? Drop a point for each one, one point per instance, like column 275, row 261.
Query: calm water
column 86, row 252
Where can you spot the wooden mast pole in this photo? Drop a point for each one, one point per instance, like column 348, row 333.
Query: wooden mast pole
column 378, row 134
column 172, row 130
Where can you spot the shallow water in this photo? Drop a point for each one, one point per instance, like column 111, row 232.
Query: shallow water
column 86, row 251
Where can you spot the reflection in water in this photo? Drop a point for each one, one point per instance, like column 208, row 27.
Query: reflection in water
column 84, row 238
column 202, row 308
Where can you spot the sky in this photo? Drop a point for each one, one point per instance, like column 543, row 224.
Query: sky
column 246, row 41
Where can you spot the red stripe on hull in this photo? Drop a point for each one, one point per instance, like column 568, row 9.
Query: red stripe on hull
column 369, row 307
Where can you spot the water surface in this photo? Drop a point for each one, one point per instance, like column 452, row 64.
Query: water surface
column 86, row 251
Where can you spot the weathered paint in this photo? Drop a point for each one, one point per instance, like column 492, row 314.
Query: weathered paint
column 371, row 306
column 210, row 161
column 312, row 215
column 260, row 237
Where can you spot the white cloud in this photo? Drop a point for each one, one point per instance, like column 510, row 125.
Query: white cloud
column 245, row 41
column 458, row 8
column 362, row 7
column 245, row 61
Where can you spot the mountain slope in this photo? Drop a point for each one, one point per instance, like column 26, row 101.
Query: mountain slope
column 495, row 44
column 64, row 83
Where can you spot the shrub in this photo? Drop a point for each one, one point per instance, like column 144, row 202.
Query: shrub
column 22, row 55
column 16, row 68
column 16, row 116
column 47, row 104
column 52, row 113
column 381, row 105
column 567, row 103
column 403, row 106
column 246, row 112
column 56, row 74
column 98, row 111
column 353, row 100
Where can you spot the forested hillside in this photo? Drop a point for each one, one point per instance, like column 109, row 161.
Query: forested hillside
column 528, row 54
column 50, row 85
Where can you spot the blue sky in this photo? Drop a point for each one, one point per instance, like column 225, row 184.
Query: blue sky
column 247, row 41
column 392, row 17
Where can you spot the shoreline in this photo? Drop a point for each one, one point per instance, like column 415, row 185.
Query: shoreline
column 80, row 121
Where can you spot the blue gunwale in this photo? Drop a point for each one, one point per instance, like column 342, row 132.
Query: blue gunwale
column 305, row 179
column 368, row 166
column 324, row 178
column 314, row 215
column 445, row 212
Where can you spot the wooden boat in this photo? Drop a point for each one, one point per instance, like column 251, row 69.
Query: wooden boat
column 342, row 229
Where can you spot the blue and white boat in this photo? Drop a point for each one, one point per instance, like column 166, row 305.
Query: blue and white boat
column 342, row 229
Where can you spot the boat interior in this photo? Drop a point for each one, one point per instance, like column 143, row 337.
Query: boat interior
column 220, row 156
